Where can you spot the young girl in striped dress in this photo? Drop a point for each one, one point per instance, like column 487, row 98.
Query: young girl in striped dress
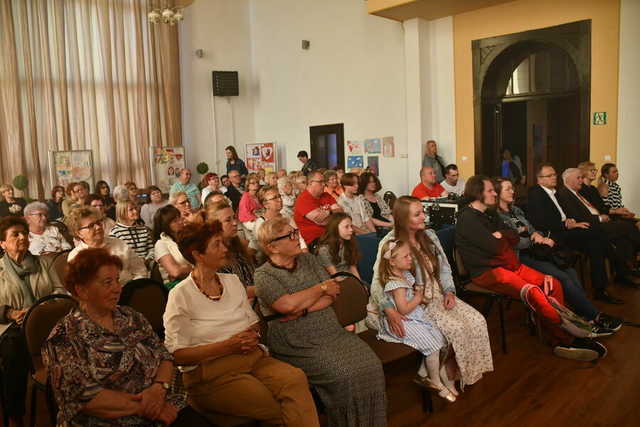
column 395, row 272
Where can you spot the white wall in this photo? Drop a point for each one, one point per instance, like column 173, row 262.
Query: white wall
column 221, row 28
column 629, row 104
column 428, row 49
column 352, row 74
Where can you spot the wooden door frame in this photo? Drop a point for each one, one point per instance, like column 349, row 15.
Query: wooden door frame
column 573, row 38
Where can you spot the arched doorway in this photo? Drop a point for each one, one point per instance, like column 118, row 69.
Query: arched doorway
column 532, row 97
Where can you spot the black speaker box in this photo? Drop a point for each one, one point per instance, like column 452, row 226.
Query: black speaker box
column 225, row 83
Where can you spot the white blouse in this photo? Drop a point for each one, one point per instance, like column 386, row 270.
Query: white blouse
column 191, row 319
column 49, row 241
column 167, row 246
column 355, row 209
column 132, row 265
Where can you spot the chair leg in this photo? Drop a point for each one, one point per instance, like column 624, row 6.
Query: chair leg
column 486, row 310
column 33, row 397
column 503, row 330
column 427, row 403
column 51, row 404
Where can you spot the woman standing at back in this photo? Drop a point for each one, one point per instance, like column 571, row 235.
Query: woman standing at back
column 234, row 162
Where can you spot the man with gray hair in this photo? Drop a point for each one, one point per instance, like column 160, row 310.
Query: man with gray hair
column 183, row 184
column 43, row 238
column 623, row 236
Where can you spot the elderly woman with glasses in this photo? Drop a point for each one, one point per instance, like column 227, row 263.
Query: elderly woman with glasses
column 181, row 201
column 343, row 369
column 43, row 238
column 107, row 365
column 24, row 278
column 128, row 229
column 9, row 204
column 86, row 225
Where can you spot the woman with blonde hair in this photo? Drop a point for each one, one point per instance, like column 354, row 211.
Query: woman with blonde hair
column 285, row 188
column 181, row 201
column 138, row 237
column 464, row 328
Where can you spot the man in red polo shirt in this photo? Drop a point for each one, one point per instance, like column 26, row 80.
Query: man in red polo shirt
column 313, row 207
column 428, row 188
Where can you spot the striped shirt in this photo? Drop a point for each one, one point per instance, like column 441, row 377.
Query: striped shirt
column 614, row 196
column 138, row 237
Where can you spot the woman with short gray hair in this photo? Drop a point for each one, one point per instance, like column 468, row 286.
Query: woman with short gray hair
column 43, row 238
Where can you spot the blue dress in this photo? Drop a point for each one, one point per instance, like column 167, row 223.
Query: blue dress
column 419, row 332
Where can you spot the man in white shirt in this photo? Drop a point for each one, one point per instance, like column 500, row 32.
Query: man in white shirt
column 452, row 181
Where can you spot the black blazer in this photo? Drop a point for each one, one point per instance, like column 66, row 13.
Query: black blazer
column 574, row 208
column 543, row 214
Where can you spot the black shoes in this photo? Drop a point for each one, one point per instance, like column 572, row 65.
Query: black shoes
column 582, row 349
column 608, row 322
column 602, row 295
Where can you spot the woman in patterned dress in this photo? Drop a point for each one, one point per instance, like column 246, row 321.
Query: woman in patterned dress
column 464, row 327
column 343, row 369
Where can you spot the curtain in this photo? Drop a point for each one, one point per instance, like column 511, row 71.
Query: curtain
column 86, row 75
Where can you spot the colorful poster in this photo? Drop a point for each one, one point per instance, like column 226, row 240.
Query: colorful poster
column 354, row 148
column 71, row 166
column 261, row 155
column 166, row 163
column 388, row 147
column 373, row 165
column 355, row 162
column 372, row 145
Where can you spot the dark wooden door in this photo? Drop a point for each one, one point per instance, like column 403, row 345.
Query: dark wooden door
column 327, row 145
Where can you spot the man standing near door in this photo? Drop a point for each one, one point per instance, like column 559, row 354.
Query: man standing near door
column 432, row 159
column 307, row 163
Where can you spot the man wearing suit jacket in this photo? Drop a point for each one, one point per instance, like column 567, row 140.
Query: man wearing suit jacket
column 624, row 236
column 548, row 217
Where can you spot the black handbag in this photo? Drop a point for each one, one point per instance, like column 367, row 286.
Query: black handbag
column 562, row 258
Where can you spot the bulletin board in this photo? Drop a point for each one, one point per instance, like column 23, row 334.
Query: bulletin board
column 70, row 166
column 262, row 155
column 166, row 163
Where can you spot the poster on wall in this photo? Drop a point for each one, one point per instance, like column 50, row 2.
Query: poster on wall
column 166, row 163
column 373, row 165
column 71, row 166
column 262, row 155
column 388, row 147
column 354, row 148
column 372, row 145
column 355, row 162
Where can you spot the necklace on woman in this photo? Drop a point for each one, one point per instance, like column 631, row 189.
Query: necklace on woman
column 200, row 284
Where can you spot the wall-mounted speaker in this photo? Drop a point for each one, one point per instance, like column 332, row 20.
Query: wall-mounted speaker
column 225, row 83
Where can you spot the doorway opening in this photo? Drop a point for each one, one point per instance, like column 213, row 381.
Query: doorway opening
column 533, row 95
column 327, row 145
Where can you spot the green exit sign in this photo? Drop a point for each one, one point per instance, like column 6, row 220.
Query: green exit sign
column 600, row 118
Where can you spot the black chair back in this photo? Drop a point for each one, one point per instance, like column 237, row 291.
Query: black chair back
column 149, row 298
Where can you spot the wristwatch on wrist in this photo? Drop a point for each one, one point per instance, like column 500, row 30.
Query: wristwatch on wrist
column 165, row 386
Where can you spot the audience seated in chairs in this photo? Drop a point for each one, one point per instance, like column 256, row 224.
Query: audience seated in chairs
column 86, row 225
column 537, row 252
column 225, row 368
column 369, row 187
column 173, row 266
column 234, row 189
column 211, row 182
column 181, row 201
column 127, row 229
column 452, row 182
column 24, row 279
column 106, row 365
column 240, row 260
column 428, row 187
column 355, row 205
column 299, row 182
column 77, row 195
column 249, row 204
column 623, row 236
column 55, row 203
column 9, row 204
column 486, row 246
column 547, row 216
column 460, row 324
column 337, row 248
column 341, row 367
column 332, row 187
column 591, row 193
column 313, row 207
column 609, row 176
column 43, row 238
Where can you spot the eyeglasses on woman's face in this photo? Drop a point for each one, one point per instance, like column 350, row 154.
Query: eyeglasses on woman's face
column 91, row 225
column 292, row 235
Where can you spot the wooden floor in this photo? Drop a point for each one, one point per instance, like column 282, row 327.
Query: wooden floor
column 530, row 386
